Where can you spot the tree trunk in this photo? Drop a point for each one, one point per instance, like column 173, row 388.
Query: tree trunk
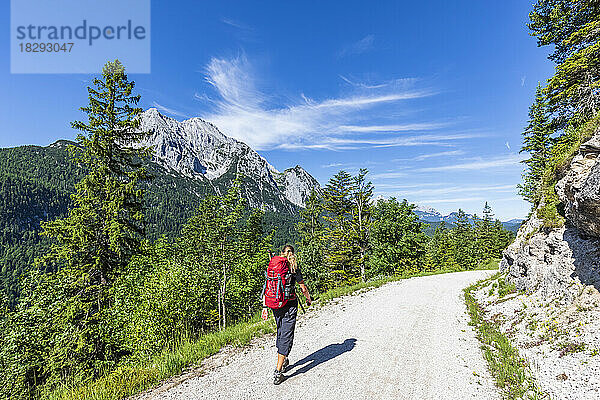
column 219, row 306
column 362, row 265
column 224, row 283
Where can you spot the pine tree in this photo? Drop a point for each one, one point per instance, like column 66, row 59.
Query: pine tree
column 572, row 28
column 537, row 141
column 484, row 233
column 463, row 237
column 339, row 256
column 442, row 249
column 93, row 244
column 361, row 198
column 312, row 242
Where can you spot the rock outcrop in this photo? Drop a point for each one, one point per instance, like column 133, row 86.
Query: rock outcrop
column 561, row 262
column 579, row 190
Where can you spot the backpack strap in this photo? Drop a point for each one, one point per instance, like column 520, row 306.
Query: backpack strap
column 278, row 286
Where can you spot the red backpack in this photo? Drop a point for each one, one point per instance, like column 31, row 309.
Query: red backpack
column 278, row 283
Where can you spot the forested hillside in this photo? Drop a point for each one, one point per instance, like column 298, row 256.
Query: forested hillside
column 36, row 184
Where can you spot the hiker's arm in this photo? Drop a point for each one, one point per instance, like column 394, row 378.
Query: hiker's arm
column 304, row 290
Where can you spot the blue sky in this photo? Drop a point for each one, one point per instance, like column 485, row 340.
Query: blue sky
column 431, row 96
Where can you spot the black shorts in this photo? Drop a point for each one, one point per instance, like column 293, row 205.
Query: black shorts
column 285, row 317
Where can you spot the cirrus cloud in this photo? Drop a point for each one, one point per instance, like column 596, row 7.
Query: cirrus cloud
column 243, row 111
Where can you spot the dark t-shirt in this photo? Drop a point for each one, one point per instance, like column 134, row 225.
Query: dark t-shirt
column 297, row 276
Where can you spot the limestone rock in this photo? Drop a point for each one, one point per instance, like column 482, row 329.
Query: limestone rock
column 561, row 262
column 579, row 190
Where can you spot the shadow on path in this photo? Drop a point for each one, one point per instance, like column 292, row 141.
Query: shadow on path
column 322, row 355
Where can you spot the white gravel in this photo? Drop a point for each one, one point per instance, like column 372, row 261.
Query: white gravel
column 541, row 327
column 404, row 340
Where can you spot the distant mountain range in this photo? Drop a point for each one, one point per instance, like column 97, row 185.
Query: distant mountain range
column 435, row 218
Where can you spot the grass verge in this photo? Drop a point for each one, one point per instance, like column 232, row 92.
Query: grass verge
column 509, row 370
column 129, row 380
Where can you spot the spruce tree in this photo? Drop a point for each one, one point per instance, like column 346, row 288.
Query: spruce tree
column 339, row 257
column 484, row 233
column 572, row 28
column 312, row 242
column 362, row 209
column 104, row 228
column 537, row 141
column 464, row 238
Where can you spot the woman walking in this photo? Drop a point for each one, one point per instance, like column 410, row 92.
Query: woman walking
column 279, row 295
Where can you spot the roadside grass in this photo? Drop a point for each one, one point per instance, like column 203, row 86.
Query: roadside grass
column 128, row 380
column 509, row 370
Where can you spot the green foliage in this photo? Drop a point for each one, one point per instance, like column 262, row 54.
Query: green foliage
column 67, row 310
column 397, row 239
column 339, row 259
column 109, row 298
column 571, row 98
column 334, row 239
column 361, row 218
column 537, row 142
column 311, row 249
column 573, row 28
column 467, row 246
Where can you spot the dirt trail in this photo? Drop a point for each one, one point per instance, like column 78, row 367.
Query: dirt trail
column 404, row 340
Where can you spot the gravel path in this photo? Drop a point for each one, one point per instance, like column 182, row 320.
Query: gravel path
column 404, row 340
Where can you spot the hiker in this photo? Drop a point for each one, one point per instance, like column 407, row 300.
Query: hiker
column 280, row 296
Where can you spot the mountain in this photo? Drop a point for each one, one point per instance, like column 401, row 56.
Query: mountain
column 197, row 149
column 428, row 214
column 434, row 218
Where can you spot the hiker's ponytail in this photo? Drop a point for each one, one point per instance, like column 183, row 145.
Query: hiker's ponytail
column 291, row 257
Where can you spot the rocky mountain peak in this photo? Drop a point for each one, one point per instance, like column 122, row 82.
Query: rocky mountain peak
column 198, row 149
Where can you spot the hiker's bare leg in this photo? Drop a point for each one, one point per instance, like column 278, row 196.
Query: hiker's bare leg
column 280, row 360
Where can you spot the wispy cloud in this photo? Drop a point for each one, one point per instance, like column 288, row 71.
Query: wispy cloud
column 423, row 126
column 170, row 111
column 498, row 162
column 358, row 47
column 235, row 24
column 461, row 189
column 438, row 154
column 242, row 110
column 455, row 200
column 389, row 175
column 363, row 85
column 404, row 141
column 394, row 82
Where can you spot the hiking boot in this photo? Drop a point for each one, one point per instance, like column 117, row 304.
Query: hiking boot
column 278, row 377
column 286, row 364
